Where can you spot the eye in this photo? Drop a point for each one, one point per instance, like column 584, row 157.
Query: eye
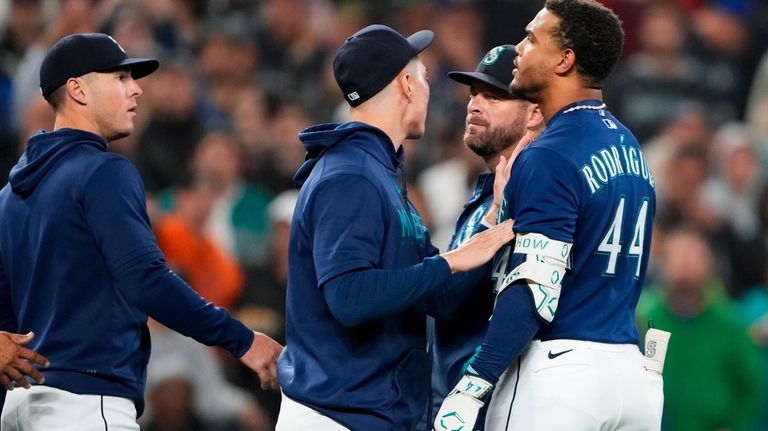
column 529, row 37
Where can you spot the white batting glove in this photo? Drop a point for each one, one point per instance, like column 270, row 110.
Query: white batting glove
column 460, row 408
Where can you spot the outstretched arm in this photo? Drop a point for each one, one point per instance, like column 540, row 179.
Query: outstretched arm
column 389, row 290
column 115, row 210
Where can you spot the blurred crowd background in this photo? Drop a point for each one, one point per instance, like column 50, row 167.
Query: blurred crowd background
column 216, row 143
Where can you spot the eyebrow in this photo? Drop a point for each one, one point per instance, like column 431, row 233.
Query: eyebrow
column 489, row 89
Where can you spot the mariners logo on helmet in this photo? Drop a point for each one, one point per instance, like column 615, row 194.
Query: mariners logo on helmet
column 493, row 55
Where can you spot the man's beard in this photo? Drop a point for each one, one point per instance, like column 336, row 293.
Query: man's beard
column 530, row 92
column 496, row 139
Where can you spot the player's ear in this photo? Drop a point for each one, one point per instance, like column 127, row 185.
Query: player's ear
column 535, row 117
column 405, row 83
column 76, row 90
column 567, row 62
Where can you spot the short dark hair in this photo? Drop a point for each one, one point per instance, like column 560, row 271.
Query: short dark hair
column 594, row 34
column 56, row 97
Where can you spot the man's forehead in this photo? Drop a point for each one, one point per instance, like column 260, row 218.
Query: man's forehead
column 481, row 86
column 543, row 20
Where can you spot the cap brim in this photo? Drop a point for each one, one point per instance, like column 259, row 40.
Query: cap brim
column 140, row 67
column 421, row 40
column 467, row 78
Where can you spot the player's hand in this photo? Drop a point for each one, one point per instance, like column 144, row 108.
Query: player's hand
column 460, row 408
column 261, row 357
column 503, row 171
column 480, row 248
column 502, row 176
column 16, row 361
column 521, row 144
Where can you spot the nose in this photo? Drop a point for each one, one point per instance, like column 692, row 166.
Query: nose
column 137, row 91
column 474, row 103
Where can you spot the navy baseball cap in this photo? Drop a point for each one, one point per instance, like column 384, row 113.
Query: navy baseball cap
column 371, row 58
column 494, row 69
column 80, row 53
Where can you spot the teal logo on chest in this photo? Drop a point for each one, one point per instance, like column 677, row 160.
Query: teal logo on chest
column 410, row 224
column 471, row 226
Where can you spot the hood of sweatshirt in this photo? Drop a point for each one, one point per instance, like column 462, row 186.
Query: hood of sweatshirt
column 321, row 138
column 43, row 152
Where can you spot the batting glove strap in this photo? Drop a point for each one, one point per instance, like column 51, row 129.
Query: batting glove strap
column 472, row 386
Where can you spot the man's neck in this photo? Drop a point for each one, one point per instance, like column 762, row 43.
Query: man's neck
column 385, row 123
column 68, row 120
column 555, row 99
column 493, row 161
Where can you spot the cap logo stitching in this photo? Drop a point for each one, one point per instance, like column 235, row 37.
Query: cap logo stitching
column 493, row 55
column 353, row 95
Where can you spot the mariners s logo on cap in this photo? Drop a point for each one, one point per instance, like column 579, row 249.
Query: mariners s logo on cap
column 495, row 69
column 493, row 55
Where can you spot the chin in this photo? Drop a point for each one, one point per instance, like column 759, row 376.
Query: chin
column 117, row 134
column 416, row 133
column 526, row 93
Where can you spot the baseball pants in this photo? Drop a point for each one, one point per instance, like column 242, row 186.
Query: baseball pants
column 295, row 416
column 43, row 408
column 577, row 386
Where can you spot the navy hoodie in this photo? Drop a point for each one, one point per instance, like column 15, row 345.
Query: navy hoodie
column 369, row 370
column 80, row 266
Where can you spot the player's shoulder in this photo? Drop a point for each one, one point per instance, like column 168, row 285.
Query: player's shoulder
column 88, row 155
column 353, row 155
column 357, row 160
column 550, row 149
column 351, row 168
column 108, row 169
column 337, row 179
column 114, row 162
column 561, row 133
